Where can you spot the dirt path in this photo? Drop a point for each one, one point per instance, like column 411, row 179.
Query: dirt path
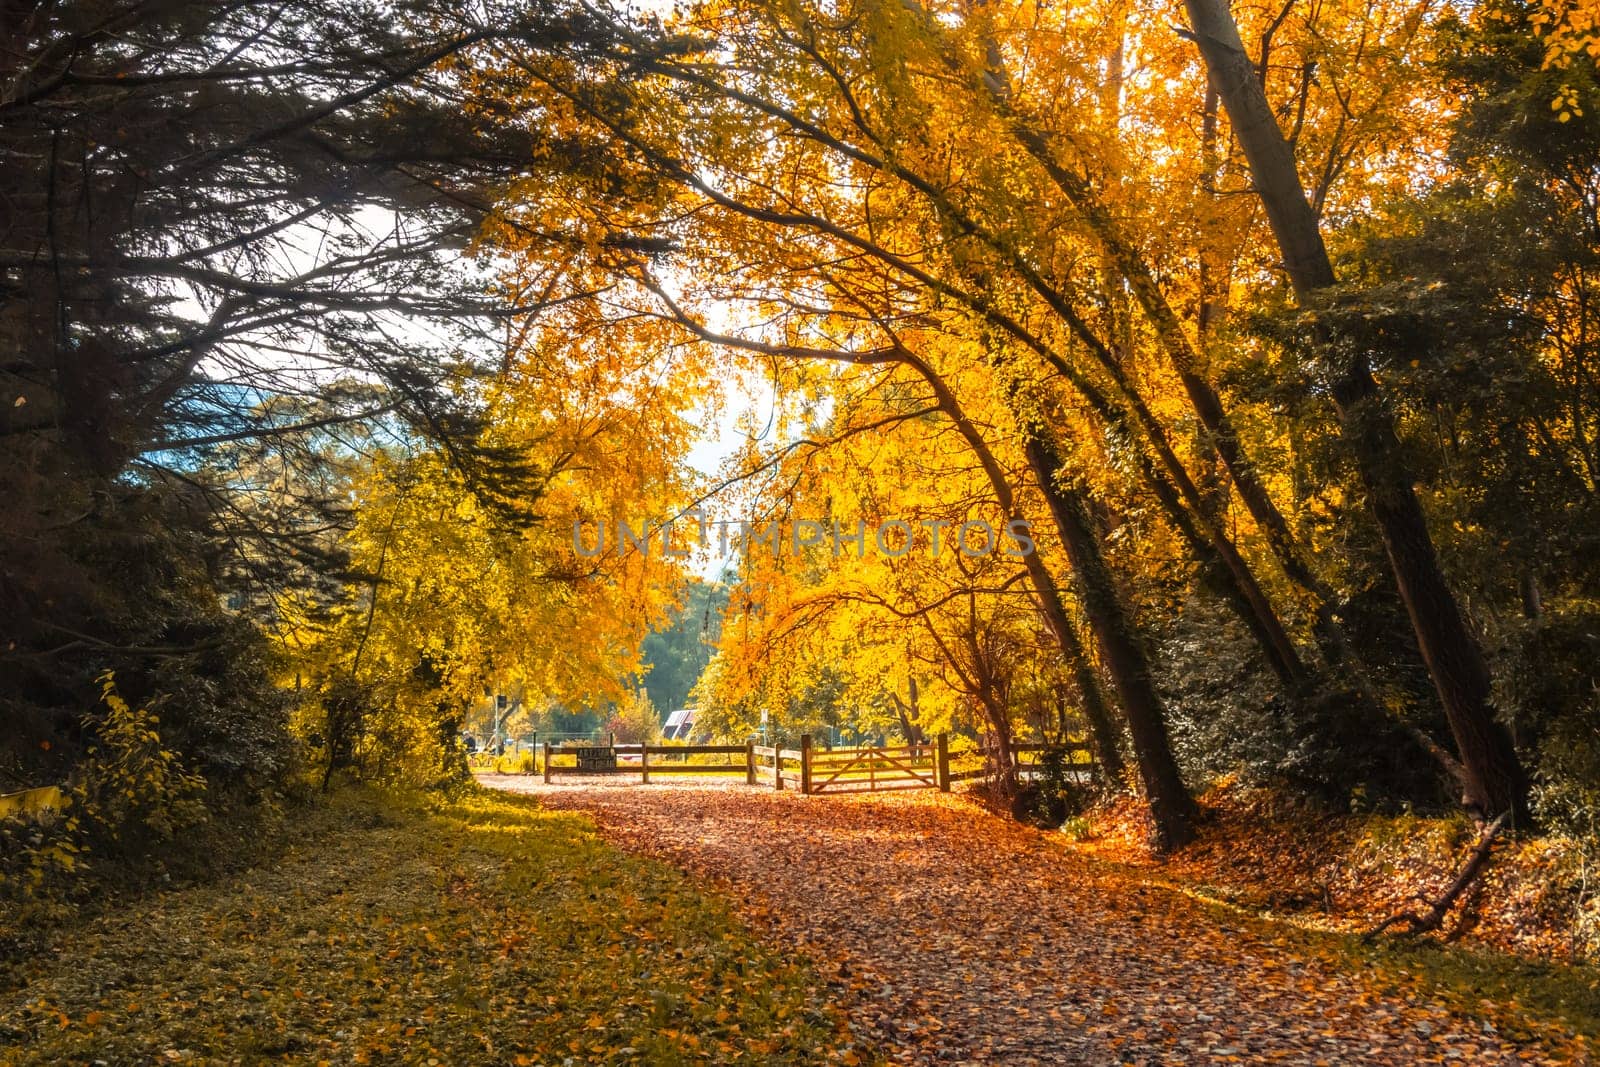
column 962, row 937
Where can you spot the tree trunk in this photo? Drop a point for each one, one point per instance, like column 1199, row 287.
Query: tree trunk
column 1103, row 735
column 1215, row 552
column 1171, row 807
column 1000, row 723
column 907, row 714
column 1528, row 591
column 1494, row 778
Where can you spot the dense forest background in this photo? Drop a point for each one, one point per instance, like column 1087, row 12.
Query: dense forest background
column 321, row 329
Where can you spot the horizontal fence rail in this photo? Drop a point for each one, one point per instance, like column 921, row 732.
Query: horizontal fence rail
column 777, row 757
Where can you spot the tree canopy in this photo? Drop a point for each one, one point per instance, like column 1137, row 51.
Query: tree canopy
column 1218, row 395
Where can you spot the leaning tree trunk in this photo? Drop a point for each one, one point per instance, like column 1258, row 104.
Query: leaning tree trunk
column 1102, row 733
column 1204, row 533
column 1171, row 807
column 1494, row 780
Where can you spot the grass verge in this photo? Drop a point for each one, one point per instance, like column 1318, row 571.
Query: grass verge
column 1548, row 1001
column 482, row 930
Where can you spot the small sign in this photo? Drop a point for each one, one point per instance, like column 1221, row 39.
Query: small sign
column 597, row 759
column 33, row 801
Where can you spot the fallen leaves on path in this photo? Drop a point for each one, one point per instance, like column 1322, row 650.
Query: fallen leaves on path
column 956, row 936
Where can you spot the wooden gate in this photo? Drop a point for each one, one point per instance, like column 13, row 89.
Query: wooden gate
column 878, row 767
column 857, row 770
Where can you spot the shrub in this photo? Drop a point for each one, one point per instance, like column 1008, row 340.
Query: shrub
column 1228, row 717
column 133, row 790
column 1058, row 795
column 1078, row 828
column 38, row 857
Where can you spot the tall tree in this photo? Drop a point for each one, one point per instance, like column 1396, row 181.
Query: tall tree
column 1494, row 780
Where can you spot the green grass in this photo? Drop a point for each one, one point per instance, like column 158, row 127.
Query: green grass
column 482, row 930
column 1524, row 998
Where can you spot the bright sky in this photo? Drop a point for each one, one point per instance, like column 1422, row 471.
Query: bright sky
column 724, row 434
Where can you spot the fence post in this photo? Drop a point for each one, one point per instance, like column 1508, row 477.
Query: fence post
column 777, row 768
column 941, row 766
column 805, row 765
column 644, row 763
column 611, row 739
column 750, row 763
column 547, row 763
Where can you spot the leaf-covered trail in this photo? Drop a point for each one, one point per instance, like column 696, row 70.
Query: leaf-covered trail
column 965, row 937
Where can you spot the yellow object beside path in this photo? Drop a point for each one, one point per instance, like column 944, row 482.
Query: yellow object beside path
column 45, row 798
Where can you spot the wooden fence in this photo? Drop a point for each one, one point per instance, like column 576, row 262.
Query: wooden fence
column 651, row 759
column 978, row 762
column 809, row 768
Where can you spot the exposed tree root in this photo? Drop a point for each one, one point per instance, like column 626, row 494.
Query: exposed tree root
column 1438, row 909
